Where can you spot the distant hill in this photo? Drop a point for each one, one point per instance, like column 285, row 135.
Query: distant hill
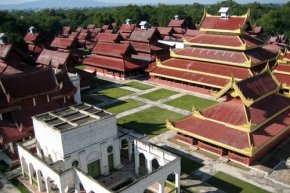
column 64, row 4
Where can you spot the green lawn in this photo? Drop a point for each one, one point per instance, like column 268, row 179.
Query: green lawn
column 96, row 82
column 114, row 92
column 122, row 106
column 19, row 186
column 138, row 85
column 149, row 121
column 91, row 99
column 158, row 94
column 231, row 184
column 186, row 102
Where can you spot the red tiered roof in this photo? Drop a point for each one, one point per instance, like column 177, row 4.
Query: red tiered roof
column 165, row 31
column 127, row 28
column 55, row 58
column 283, row 78
column 140, row 35
column 30, row 38
column 207, row 67
column 218, row 23
column 214, row 131
column 119, row 64
column 107, row 37
column 226, row 40
column 176, row 23
column 254, row 88
column 20, row 86
column 257, row 55
column 63, row 43
column 9, row 132
column 111, row 49
column 190, row 77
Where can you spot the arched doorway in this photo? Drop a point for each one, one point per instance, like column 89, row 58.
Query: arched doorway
column 155, row 164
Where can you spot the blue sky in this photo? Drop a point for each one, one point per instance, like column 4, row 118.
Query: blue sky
column 153, row 1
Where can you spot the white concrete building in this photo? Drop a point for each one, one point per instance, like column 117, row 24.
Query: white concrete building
column 79, row 148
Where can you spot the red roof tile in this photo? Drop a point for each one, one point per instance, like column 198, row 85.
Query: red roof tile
column 127, row 28
column 165, row 30
column 4, row 50
column 267, row 107
column 232, row 112
column 112, row 63
column 142, row 35
column 55, row 58
column 207, row 67
column 107, row 37
column 193, row 33
column 64, row 43
column 190, row 77
column 257, row 86
column 226, row 40
column 176, row 23
column 214, row 131
column 111, row 49
column 66, row 30
column 283, row 78
column 9, row 132
column 218, row 23
column 31, row 37
column 21, row 86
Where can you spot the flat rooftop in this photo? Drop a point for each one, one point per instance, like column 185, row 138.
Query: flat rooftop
column 73, row 116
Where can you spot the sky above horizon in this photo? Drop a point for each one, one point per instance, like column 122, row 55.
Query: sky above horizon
column 153, row 1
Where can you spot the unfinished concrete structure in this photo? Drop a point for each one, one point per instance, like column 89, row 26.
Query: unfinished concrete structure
column 78, row 148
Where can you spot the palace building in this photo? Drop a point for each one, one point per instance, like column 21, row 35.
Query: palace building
column 222, row 49
column 282, row 71
column 88, row 153
column 244, row 128
column 35, row 42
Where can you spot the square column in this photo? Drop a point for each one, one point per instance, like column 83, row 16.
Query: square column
column 161, row 187
column 130, row 150
column 117, row 156
column 149, row 165
column 39, row 182
column 137, row 164
column 177, row 182
column 47, row 185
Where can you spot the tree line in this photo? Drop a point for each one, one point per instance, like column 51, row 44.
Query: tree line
column 274, row 18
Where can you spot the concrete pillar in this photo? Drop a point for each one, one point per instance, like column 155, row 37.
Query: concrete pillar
column 47, row 185
column 130, row 150
column 161, row 187
column 104, row 160
column 77, row 188
column 39, row 151
column 116, row 155
column 39, row 181
column 30, row 173
column 22, row 166
column 177, row 182
column 137, row 164
column 149, row 165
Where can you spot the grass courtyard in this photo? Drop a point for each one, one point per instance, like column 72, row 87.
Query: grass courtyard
column 158, row 94
column 149, row 121
column 231, row 184
column 186, row 102
column 96, row 82
column 138, row 85
column 121, row 106
column 114, row 92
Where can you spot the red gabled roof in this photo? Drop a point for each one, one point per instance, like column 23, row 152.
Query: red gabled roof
column 64, row 43
column 214, row 131
column 4, row 50
column 30, row 38
column 142, row 35
column 73, row 35
column 112, row 63
column 165, row 31
column 283, row 78
column 193, row 33
column 111, row 49
column 55, row 58
column 83, row 35
column 91, row 26
column 218, row 23
column 108, row 37
column 127, row 28
column 65, row 30
column 232, row 112
column 267, row 107
column 176, row 23
column 20, row 86
column 9, row 132
column 257, row 86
